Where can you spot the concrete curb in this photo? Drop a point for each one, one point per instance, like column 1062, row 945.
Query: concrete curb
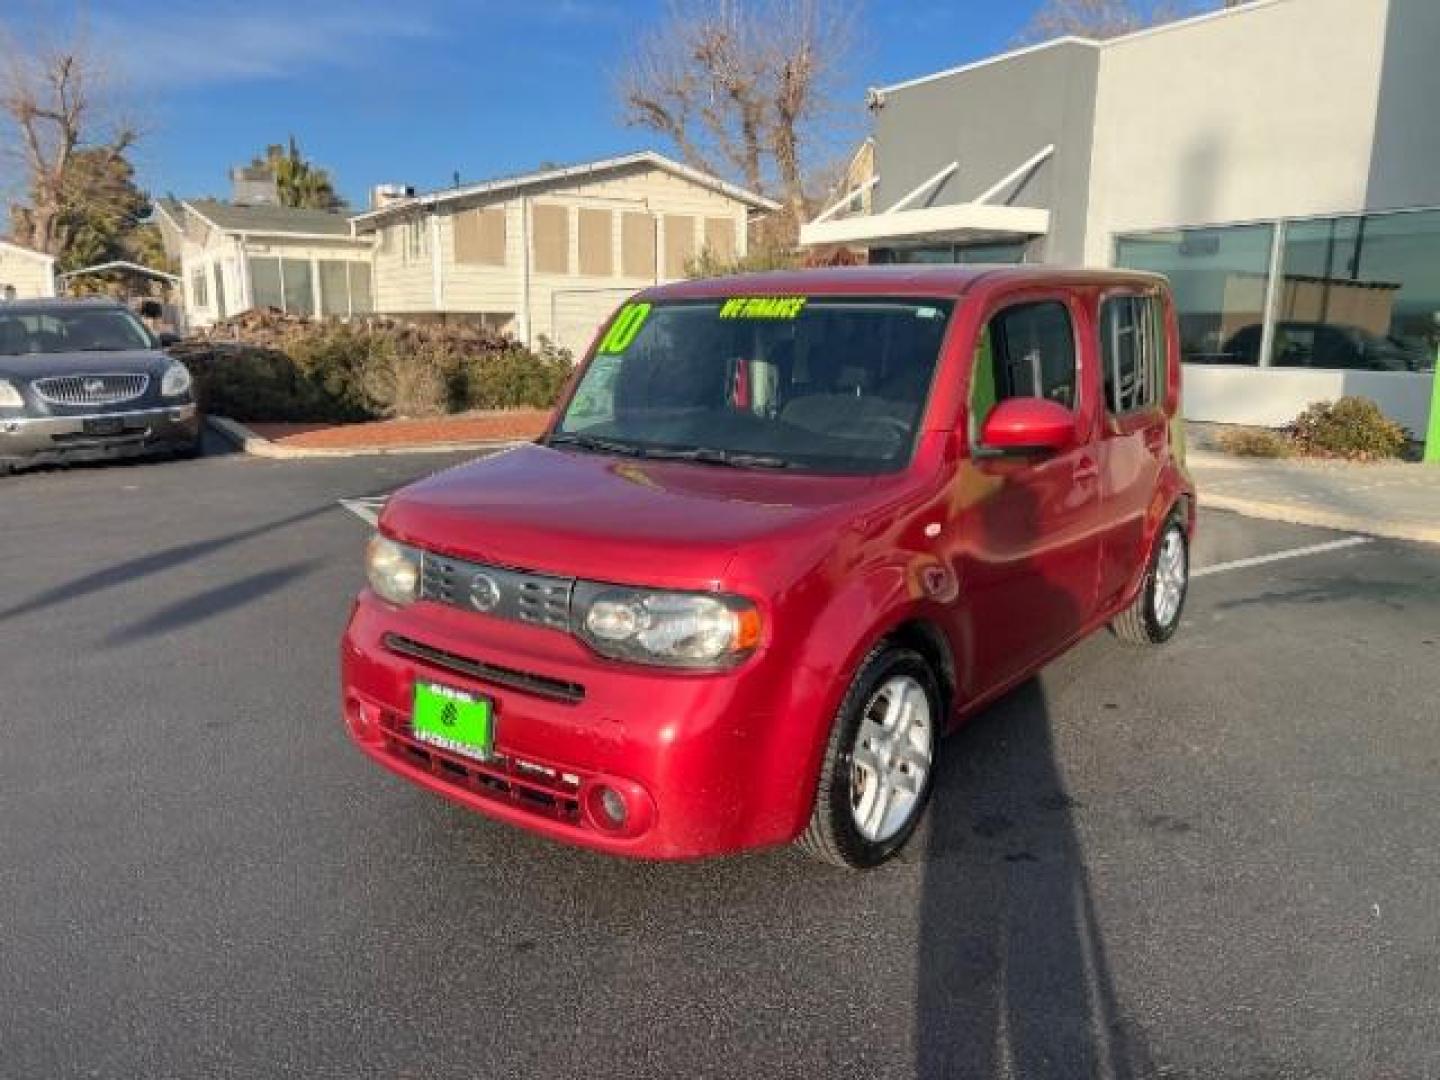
column 247, row 441
column 1324, row 519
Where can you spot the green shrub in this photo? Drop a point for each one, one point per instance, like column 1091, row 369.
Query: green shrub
column 516, row 378
column 1352, row 427
column 1254, row 442
column 264, row 366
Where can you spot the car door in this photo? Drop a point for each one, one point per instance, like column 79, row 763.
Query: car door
column 1134, row 431
column 1026, row 552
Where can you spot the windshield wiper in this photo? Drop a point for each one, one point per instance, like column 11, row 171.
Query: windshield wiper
column 709, row 455
column 594, row 445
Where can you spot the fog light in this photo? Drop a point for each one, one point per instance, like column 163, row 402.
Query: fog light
column 611, row 807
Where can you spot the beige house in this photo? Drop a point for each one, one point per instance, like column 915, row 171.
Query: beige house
column 551, row 253
column 30, row 273
column 235, row 257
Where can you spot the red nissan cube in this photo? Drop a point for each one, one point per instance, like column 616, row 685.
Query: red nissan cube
column 784, row 532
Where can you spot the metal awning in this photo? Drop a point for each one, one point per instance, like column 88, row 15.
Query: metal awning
column 978, row 219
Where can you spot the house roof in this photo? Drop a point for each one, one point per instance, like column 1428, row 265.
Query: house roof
column 10, row 245
column 583, row 171
column 270, row 220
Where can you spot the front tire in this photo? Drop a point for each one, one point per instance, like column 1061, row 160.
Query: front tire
column 879, row 764
column 1154, row 615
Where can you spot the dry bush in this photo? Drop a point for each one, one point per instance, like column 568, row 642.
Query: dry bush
column 1255, row 442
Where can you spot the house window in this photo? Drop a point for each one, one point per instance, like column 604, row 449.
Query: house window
column 295, row 275
column 551, row 226
column 362, row 301
column 1130, row 350
column 1026, row 351
column 597, row 243
column 480, row 236
column 265, row 287
column 200, row 289
column 679, row 244
column 637, row 245
column 334, row 287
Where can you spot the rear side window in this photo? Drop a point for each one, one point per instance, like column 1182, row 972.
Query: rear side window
column 1132, row 350
column 1025, row 351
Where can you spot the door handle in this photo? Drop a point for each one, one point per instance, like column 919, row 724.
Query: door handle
column 1086, row 469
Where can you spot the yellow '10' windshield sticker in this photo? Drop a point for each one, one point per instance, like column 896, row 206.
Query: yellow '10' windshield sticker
column 622, row 331
column 762, row 307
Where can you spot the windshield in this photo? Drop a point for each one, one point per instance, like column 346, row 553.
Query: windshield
column 83, row 330
column 827, row 384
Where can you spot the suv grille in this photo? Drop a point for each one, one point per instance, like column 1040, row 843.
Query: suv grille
column 519, row 595
column 91, row 389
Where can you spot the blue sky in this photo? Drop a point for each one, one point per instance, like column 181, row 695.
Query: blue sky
column 414, row 90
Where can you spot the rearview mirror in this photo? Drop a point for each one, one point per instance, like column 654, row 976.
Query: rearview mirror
column 167, row 339
column 1028, row 426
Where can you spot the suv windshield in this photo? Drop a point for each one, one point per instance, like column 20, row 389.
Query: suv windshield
column 828, row 384
column 59, row 331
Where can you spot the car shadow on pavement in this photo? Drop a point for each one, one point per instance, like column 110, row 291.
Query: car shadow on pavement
column 155, row 562
column 1013, row 979
column 213, row 602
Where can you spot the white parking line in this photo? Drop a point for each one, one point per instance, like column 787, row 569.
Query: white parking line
column 367, row 510
column 1278, row 556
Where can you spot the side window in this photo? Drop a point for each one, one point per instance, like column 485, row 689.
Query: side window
column 1025, row 351
column 1131, row 352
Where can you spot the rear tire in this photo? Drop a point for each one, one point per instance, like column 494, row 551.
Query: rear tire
column 879, row 763
column 1154, row 615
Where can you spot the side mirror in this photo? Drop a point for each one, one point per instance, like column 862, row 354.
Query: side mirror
column 1028, row 426
column 167, row 339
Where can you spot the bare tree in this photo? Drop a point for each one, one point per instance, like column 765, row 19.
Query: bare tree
column 743, row 88
column 1102, row 19
column 56, row 105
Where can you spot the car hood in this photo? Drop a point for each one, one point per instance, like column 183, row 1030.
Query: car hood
column 608, row 518
column 30, row 366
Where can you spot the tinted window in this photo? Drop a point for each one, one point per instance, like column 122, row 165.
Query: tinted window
column 822, row 383
column 1026, row 351
column 78, row 330
column 1130, row 348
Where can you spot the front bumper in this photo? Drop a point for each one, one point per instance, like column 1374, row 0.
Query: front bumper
column 700, row 759
column 44, row 439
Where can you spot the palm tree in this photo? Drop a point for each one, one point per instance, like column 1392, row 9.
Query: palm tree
column 299, row 183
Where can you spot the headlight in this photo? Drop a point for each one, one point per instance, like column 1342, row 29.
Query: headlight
column 393, row 570
column 10, row 397
column 176, row 381
column 694, row 630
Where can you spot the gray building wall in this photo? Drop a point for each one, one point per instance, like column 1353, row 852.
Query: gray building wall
column 1405, row 165
column 990, row 118
column 1265, row 112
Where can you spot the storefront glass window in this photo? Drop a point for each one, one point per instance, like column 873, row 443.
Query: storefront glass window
column 1359, row 293
column 1219, row 278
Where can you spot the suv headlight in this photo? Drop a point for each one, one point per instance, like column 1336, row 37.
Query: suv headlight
column 393, row 570
column 176, row 381
column 10, row 396
column 673, row 629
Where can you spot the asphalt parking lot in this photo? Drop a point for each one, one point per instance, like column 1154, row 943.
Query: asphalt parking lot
column 1217, row 859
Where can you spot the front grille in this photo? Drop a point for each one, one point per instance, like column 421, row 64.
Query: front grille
column 520, row 595
column 91, row 389
column 569, row 693
column 537, row 788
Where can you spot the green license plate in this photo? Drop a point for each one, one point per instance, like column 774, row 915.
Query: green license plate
column 453, row 720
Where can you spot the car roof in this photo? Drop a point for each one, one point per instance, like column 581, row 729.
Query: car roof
column 59, row 303
column 946, row 280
